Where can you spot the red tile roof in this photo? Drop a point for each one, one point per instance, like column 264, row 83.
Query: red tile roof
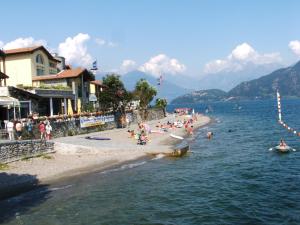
column 97, row 82
column 29, row 50
column 61, row 75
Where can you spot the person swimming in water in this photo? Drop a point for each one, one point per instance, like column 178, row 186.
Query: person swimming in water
column 282, row 143
column 209, row 134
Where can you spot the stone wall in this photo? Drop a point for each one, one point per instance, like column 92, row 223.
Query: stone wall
column 16, row 150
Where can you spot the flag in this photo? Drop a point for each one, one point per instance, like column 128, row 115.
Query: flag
column 159, row 80
column 94, row 67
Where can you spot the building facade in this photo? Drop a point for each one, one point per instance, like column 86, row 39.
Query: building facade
column 63, row 90
column 25, row 63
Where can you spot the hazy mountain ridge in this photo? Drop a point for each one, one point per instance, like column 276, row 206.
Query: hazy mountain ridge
column 286, row 80
column 210, row 95
column 167, row 89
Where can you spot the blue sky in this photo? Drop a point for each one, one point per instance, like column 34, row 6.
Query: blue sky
column 180, row 36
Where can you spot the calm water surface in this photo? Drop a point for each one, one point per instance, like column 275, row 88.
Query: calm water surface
column 232, row 179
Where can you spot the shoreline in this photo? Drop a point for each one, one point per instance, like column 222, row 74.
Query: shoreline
column 76, row 156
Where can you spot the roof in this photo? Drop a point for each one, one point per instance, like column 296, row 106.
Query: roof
column 61, row 75
column 97, row 82
column 7, row 100
column 29, row 50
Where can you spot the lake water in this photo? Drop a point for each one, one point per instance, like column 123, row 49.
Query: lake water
column 231, row 179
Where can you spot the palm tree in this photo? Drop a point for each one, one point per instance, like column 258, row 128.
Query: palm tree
column 145, row 93
column 161, row 103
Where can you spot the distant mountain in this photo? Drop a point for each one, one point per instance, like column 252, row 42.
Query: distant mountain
column 167, row 90
column 211, row 95
column 287, row 80
column 228, row 80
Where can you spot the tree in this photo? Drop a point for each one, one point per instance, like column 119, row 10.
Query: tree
column 161, row 103
column 114, row 96
column 145, row 93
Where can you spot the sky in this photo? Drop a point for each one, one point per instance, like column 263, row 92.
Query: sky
column 186, row 37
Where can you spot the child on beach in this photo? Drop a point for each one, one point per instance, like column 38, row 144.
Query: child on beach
column 142, row 138
column 19, row 128
column 10, row 130
column 48, row 131
column 42, row 130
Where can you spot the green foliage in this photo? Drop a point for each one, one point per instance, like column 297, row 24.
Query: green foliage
column 144, row 92
column 4, row 166
column 91, row 75
column 26, row 158
column 45, row 156
column 43, row 86
column 88, row 107
column 161, row 103
column 115, row 96
column 55, row 87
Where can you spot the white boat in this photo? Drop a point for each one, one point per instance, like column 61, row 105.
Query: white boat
column 284, row 148
column 176, row 136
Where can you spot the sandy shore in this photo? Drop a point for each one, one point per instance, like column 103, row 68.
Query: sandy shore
column 76, row 155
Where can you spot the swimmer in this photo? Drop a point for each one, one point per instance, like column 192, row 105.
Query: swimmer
column 209, row 134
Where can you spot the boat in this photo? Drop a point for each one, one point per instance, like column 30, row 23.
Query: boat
column 176, row 136
column 180, row 150
column 284, row 148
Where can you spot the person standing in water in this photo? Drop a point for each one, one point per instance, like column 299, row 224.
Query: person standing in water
column 209, row 135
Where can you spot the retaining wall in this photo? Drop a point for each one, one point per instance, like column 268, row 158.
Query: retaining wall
column 16, row 150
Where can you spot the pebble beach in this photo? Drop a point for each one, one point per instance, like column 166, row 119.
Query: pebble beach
column 76, row 155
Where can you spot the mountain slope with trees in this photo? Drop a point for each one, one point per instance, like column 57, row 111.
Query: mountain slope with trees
column 286, row 80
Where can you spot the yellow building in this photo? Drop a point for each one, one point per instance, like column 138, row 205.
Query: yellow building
column 63, row 90
column 24, row 63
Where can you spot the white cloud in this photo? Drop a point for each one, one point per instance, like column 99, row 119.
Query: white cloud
column 102, row 42
column 23, row 43
column 1, row 44
column 127, row 66
column 239, row 58
column 162, row 64
column 112, row 44
column 75, row 51
column 295, row 47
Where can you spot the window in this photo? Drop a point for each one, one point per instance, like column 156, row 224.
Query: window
column 40, row 71
column 52, row 64
column 39, row 59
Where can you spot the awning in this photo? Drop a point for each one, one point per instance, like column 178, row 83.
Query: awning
column 8, row 101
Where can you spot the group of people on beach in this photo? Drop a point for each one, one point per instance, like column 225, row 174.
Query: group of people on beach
column 143, row 130
column 142, row 135
column 16, row 128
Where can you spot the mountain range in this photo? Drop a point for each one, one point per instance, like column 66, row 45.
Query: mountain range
column 226, row 80
column 286, row 80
